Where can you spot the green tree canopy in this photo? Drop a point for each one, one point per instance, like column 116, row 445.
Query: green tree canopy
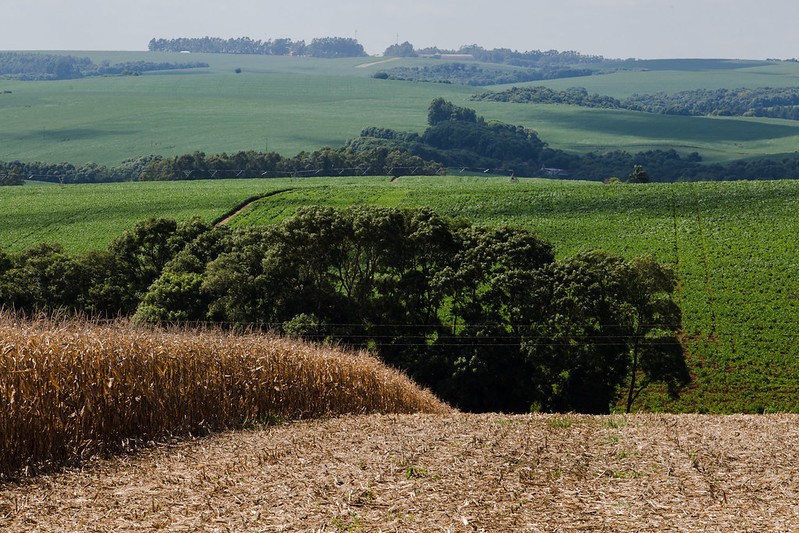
column 400, row 50
column 486, row 317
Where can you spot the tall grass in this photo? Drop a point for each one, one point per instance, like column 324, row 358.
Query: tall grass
column 70, row 390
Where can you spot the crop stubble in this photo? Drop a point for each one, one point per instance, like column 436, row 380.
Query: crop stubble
column 437, row 472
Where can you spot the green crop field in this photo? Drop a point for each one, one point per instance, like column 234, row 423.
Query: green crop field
column 732, row 244
column 277, row 104
column 287, row 104
column 90, row 216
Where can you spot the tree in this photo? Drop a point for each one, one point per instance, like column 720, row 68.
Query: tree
column 143, row 252
column 333, row 47
column 485, row 317
column 174, row 297
column 606, row 323
column 400, row 50
column 107, row 291
column 494, row 289
column 656, row 352
column 11, row 176
column 43, row 277
column 441, row 110
column 578, row 349
column 638, row 175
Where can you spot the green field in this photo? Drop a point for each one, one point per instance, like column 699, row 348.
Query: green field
column 732, row 244
column 86, row 217
column 287, row 105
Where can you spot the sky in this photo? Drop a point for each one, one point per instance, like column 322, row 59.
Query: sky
column 647, row 29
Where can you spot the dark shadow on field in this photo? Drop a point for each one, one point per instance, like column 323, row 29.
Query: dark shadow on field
column 66, row 134
column 653, row 126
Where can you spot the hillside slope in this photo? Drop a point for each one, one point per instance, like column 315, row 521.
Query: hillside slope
column 440, row 472
column 290, row 104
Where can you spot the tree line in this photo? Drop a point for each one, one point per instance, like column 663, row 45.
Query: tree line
column 487, row 318
column 760, row 102
column 343, row 161
column 31, row 66
column 323, row 47
column 526, row 59
column 476, row 75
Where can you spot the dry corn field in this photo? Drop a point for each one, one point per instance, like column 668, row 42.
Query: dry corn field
column 72, row 390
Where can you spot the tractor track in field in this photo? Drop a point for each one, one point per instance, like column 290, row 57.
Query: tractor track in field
column 245, row 205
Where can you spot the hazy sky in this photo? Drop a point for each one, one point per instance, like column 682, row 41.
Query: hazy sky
column 744, row 29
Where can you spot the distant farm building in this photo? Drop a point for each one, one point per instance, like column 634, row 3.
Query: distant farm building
column 554, row 172
column 449, row 57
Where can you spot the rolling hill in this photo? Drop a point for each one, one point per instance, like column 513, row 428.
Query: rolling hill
column 288, row 104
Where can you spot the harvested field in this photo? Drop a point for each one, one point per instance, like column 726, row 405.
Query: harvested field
column 453, row 472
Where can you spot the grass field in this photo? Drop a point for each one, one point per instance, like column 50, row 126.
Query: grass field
column 732, row 244
column 286, row 105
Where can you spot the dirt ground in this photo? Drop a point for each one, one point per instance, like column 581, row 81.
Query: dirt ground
column 439, row 473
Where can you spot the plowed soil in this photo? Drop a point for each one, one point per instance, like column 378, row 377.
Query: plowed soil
column 439, row 473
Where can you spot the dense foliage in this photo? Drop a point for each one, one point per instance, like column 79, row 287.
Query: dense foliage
column 327, row 47
column 760, row 102
column 477, row 75
column 345, row 161
column 670, row 166
column 216, row 45
column 11, row 176
column 333, row 47
column 529, row 66
column 485, row 317
column 400, row 50
column 528, row 59
column 458, row 137
column 544, row 95
column 38, row 66
column 65, row 173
